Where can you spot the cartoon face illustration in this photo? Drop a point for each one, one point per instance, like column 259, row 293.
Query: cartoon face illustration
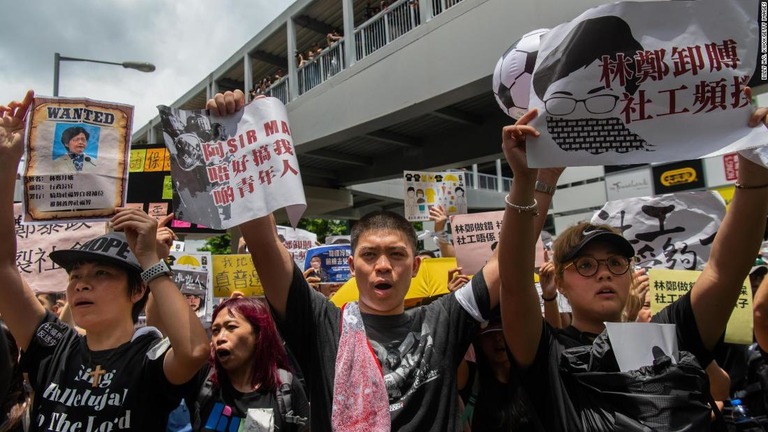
column 587, row 116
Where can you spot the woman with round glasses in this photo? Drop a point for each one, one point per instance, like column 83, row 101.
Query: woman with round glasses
column 592, row 264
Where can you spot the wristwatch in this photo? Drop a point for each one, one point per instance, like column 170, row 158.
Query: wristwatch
column 545, row 188
column 154, row 272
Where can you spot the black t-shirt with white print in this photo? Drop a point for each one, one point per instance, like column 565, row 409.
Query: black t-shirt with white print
column 419, row 352
column 78, row 390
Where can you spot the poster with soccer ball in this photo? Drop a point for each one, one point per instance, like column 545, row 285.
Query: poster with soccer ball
column 512, row 75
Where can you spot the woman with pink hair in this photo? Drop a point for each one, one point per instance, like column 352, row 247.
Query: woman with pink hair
column 247, row 382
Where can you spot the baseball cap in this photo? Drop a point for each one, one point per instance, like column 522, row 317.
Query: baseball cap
column 589, row 235
column 111, row 248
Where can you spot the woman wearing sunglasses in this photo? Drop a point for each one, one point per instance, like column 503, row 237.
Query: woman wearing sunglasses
column 592, row 269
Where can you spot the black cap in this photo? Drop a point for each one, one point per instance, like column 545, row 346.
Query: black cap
column 623, row 245
column 111, row 248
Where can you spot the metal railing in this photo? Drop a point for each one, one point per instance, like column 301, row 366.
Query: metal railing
column 328, row 63
column 488, row 182
column 438, row 6
column 280, row 90
column 396, row 20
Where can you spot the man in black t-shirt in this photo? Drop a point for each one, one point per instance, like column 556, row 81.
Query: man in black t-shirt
column 417, row 350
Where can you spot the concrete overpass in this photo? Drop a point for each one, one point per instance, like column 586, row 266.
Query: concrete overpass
column 406, row 89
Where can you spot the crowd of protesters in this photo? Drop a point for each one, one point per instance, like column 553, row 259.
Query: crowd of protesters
column 494, row 353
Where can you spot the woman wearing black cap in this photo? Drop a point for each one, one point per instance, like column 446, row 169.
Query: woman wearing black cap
column 593, row 269
column 114, row 378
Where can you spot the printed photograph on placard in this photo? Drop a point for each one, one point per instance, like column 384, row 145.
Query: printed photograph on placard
column 77, row 163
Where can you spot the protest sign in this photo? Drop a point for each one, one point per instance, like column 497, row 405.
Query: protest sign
column 235, row 273
column 475, row 237
column 669, row 285
column 35, row 242
column 192, row 273
column 77, row 159
column 638, row 82
column 297, row 241
column 331, row 262
column 670, row 231
column 424, row 190
column 229, row 170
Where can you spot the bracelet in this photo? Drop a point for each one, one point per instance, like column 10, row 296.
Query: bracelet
column 533, row 208
column 548, row 299
column 741, row 186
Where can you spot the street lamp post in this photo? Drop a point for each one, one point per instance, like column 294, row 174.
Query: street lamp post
column 57, row 58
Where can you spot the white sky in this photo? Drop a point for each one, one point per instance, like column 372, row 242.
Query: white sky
column 184, row 39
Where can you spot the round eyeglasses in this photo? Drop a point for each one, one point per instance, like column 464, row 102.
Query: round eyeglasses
column 598, row 104
column 587, row 266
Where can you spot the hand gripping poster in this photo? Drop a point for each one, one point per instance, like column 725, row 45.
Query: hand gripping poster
column 77, row 153
column 232, row 169
column 640, row 82
column 424, row 190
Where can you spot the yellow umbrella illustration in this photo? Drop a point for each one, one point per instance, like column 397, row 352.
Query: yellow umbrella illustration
column 188, row 260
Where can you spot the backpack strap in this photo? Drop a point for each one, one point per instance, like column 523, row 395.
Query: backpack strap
column 283, row 396
column 203, row 396
column 469, row 408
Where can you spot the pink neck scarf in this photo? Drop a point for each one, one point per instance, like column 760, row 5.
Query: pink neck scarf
column 360, row 400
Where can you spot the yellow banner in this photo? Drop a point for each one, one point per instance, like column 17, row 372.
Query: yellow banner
column 235, row 273
column 167, row 188
column 669, row 285
column 727, row 193
column 137, row 160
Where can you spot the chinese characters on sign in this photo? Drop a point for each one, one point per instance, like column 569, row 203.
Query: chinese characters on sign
column 669, row 285
column 330, row 262
column 475, row 237
column 661, row 91
column 235, row 273
column 228, row 170
column 35, row 242
column 192, row 274
column 668, row 231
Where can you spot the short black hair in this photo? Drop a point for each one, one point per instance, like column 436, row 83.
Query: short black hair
column 426, row 252
column 383, row 220
column 72, row 132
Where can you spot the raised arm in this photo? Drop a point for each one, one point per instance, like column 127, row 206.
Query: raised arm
column 520, row 313
column 733, row 251
column 272, row 261
column 440, row 218
column 549, row 294
column 189, row 342
column 163, row 241
column 18, row 305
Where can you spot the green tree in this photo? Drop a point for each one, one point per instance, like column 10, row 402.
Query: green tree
column 324, row 227
column 218, row 245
